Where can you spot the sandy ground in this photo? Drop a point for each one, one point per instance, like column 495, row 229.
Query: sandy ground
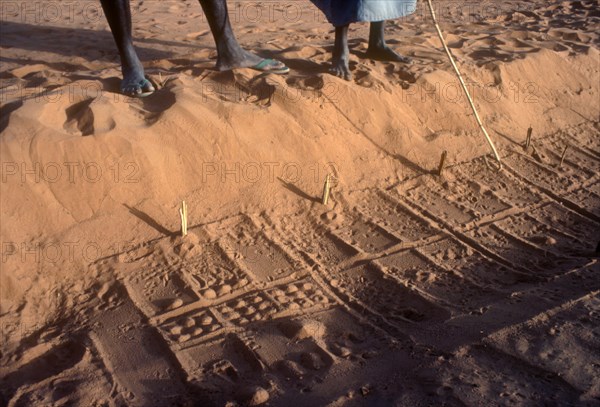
column 410, row 288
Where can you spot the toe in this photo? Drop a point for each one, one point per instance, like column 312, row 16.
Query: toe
column 129, row 91
column 269, row 65
column 277, row 64
column 147, row 87
column 137, row 89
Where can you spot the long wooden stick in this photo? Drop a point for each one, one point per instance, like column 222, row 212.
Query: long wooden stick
column 462, row 82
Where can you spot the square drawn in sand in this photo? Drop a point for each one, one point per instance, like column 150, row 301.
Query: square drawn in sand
column 300, row 297
column 581, row 139
column 452, row 254
column 253, row 307
column 567, row 221
column 222, row 363
column 393, row 216
column 544, row 236
column 163, row 281
column 534, row 173
column 159, row 289
column 584, row 134
column 213, row 274
column 442, row 285
column 256, row 254
column 433, row 199
column 324, row 247
column 576, row 162
column 480, row 200
column 501, row 183
column 299, row 344
column 263, row 259
column 520, row 254
column 366, row 236
column 338, row 330
column 291, row 352
column 587, row 199
column 312, row 240
column 386, row 296
column 187, row 329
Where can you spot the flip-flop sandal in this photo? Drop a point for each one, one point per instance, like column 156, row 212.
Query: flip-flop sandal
column 269, row 66
column 141, row 94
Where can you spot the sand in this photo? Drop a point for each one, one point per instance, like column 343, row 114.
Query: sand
column 473, row 287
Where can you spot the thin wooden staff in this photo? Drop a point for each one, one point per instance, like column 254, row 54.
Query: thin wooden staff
column 462, row 82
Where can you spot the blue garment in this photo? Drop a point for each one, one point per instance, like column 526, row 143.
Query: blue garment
column 343, row 12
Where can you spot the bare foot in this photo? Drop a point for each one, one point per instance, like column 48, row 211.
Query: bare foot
column 134, row 83
column 341, row 54
column 385, row 53
column 340, row 68
column 245, row 59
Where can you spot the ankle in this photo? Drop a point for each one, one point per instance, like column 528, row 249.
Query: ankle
column 377, row 45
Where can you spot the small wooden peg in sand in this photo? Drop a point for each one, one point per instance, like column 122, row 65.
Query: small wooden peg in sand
column 183, row 216
column 528, row 140
column 442, row 163
column 562, row 157
column 326, row 189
